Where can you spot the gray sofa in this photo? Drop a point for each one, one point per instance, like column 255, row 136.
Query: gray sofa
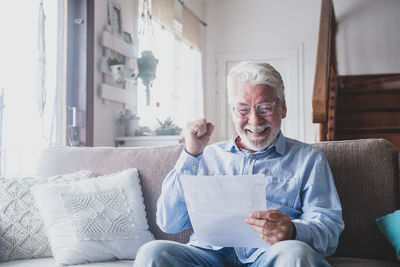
column 366, row 174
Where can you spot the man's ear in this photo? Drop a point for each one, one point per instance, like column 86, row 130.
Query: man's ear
column 284, row 109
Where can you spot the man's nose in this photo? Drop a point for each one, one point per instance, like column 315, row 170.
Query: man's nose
column 255, row 118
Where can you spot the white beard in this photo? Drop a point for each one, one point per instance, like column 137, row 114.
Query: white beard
column 257, row 143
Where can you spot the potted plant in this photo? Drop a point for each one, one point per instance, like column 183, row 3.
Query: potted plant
column 167, row 127
column 117, row 69
column 129, row 121
column 114, row 61
column 147, row 65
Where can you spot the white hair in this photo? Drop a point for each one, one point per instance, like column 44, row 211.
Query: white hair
column 255, row 73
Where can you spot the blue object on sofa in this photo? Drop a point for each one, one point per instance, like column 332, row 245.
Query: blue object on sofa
column 389, row 225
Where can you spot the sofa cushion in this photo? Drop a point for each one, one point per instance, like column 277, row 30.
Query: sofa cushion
column 152, row 163
column 367, row 179
column 95, row 220
column 22, row 234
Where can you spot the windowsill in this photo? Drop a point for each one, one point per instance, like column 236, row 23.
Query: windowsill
column 154, row 140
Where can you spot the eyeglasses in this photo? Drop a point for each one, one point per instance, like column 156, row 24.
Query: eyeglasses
column 262, row 109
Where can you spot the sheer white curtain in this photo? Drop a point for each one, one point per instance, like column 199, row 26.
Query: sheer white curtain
column 177, row 91
column 190, row 85
column 24, row 131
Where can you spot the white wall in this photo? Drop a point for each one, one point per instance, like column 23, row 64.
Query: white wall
column 105, row 128
column 198, row 7
column 368, row 38
column 236, row 24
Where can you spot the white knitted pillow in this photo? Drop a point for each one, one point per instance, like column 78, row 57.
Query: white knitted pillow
column 22, row 233
column 95, row 220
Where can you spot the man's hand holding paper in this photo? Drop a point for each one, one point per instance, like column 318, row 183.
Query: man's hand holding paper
column 272, row 225
column 219, row 205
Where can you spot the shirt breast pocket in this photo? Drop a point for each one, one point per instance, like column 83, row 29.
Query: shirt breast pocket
column 282, row 190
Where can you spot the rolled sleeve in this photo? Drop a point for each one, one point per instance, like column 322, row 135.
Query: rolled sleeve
column 187, row 164
column 172, row 215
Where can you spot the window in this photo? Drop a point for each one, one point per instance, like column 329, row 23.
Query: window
column 177, row 91
column 28, row 51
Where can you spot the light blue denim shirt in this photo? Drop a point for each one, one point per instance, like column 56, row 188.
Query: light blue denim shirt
column 299, row 183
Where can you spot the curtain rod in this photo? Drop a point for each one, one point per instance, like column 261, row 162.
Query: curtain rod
column 202, row 22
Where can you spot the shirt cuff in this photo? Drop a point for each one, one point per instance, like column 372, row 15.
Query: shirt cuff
column 187, row 164
column 303, row 232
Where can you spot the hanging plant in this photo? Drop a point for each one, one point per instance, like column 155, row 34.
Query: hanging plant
column 147, row 65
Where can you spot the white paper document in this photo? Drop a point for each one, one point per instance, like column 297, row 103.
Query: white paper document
column 219, row 205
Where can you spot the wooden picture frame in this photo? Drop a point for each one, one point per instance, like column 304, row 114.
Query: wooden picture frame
column 128, row 38
column 114, row 13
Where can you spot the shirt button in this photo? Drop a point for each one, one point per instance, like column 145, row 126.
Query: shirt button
column 252, row 156
column 194, row 167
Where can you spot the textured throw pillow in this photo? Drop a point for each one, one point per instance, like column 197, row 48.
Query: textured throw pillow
column 95, row 220
column 389, row 225
column 22, row 234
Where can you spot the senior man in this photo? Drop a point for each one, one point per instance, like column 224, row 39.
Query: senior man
column 305, row 222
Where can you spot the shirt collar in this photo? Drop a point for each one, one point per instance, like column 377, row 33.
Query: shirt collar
column 231, row 144
column 279, row 144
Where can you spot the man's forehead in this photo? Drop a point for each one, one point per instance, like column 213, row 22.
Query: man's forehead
column 248, row 89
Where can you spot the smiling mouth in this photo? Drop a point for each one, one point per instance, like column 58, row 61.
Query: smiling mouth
column 257, row 132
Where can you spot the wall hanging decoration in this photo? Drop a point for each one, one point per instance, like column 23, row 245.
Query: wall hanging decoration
column 118, row 64
column 114, row 16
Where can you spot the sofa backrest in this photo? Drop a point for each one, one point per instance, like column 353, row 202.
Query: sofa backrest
column 366, row 175
column 153, row 164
